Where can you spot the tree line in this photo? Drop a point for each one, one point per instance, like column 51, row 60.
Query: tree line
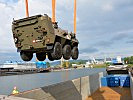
column 128, row 60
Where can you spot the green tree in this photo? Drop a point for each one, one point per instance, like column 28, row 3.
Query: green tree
column 128, row 60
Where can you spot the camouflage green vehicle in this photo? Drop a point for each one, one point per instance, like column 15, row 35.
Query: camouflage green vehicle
column 37, row 34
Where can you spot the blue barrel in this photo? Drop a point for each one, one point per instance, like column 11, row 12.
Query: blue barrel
column 116, row 80
column 113, row 81
column 125, row 81
column 104, row 81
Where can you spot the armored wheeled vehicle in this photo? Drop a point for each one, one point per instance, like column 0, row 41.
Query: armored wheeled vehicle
column 38, row 34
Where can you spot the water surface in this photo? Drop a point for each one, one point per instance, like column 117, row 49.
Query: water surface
column 32, row 81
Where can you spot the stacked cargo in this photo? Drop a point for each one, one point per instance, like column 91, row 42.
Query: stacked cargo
column 113, row 81
column 116, row 80
column 124, row 81
column 40, row 64
column 104, row 81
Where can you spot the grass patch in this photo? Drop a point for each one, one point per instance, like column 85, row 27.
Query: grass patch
column 130, row 65
column 100, row 66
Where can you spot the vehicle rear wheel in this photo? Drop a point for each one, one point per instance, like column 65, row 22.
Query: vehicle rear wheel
column 57, row 51
column 67, row 52
column 50, row 57
column 26, row 56
column 41, row 56
column 75, row 53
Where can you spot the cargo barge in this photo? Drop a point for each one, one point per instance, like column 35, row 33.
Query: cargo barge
column 98, row 86
column 8, row 69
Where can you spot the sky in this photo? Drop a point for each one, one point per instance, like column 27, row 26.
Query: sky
column 104, row 27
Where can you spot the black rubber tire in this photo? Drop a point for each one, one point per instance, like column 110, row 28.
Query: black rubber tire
column 67, row 52
column 75, row 53
column 50, row 57
column 26, row 56
column 41, row 56
column 57, row 51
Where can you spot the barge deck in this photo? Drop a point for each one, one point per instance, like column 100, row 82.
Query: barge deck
column 111, row 93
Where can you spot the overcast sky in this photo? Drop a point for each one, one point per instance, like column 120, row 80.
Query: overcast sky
column 104, row 27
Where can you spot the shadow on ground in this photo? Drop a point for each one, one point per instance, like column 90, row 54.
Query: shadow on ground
column 61, row 91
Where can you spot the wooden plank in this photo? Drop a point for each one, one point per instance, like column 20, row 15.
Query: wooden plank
column 111, row 93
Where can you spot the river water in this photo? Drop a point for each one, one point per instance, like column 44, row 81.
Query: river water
column 32, row 81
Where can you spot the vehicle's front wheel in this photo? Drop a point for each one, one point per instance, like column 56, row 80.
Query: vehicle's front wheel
column 41, row 56
column 50, row 57
column 57, row 51
column 26, row 56
column 75, row 53
column 67, row 52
